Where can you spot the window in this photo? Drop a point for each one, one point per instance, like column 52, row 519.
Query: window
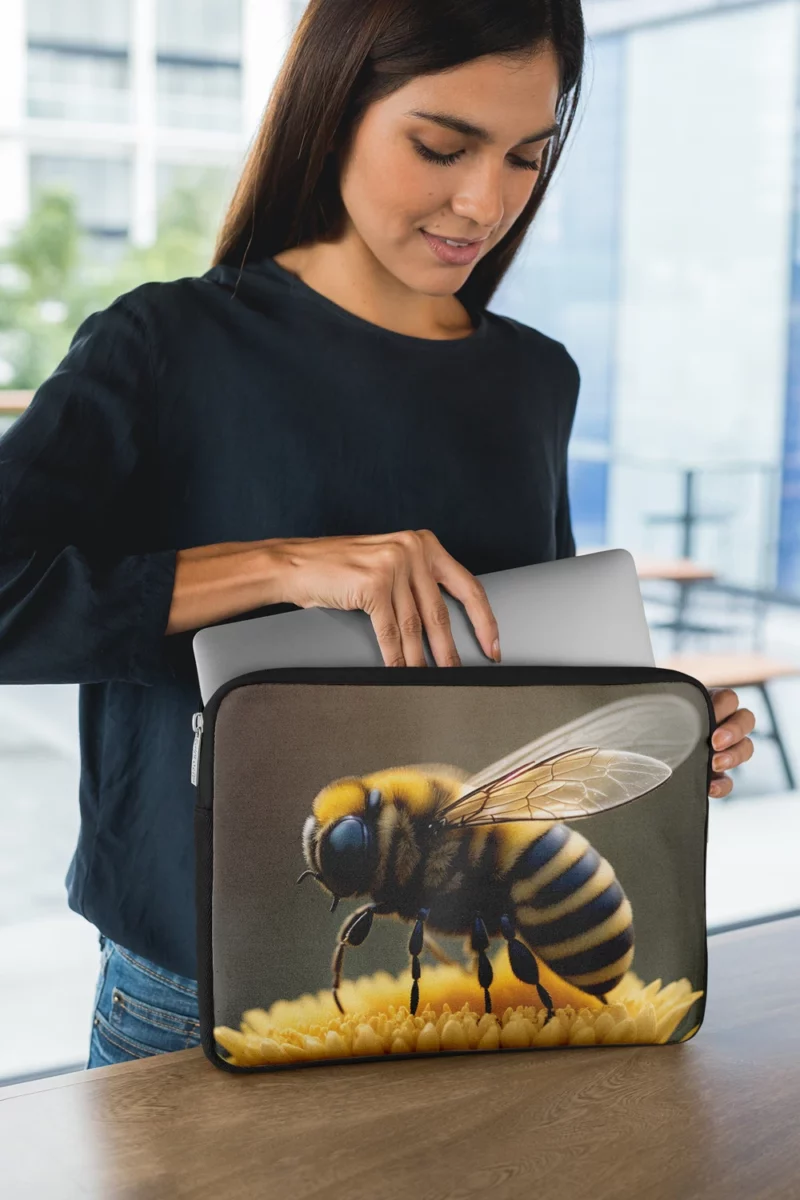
column 101, row 187
column 91, row 22
column 69, row 86
column 199, row 64
column 78, row 64
column 199, row 95
column 203, row 28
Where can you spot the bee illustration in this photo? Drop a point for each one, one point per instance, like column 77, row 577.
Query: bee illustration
column 486, row 855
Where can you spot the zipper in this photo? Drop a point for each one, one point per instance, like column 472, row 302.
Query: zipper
column 197, row 726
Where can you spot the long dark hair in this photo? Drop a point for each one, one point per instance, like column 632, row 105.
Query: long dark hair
column 346, row 54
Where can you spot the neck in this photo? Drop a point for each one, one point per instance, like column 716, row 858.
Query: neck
column 347, row 273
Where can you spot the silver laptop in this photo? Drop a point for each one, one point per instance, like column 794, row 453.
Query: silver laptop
column 585, row 610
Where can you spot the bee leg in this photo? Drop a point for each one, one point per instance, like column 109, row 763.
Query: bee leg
column 415, row 944
column 479, row 940
column 523, row 963
column 353, row 933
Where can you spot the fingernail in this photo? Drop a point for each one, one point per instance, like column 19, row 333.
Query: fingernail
column 721, row 761
column 723, row 738
column 496, row 650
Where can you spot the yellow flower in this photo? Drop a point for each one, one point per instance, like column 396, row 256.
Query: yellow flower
column 377, row 1019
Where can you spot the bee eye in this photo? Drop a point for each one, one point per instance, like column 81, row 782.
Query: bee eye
column 345, row 856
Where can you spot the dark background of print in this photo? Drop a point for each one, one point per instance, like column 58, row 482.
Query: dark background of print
column 277, row 744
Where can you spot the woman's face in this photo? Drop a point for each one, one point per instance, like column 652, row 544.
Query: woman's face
column 393, row 188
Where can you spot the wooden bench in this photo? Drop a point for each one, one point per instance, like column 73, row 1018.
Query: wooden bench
column 740, row 670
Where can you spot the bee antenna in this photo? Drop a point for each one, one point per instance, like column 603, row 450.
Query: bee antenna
column 305, row 875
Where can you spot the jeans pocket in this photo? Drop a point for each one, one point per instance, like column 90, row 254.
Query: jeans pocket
column 151, row 1028
column 145, row 1010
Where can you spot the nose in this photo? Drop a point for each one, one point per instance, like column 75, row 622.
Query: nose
column 480, row 195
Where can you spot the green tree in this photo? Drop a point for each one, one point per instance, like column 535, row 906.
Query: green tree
column 50, row 279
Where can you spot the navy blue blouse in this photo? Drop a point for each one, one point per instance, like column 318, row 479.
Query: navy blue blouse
column 199, row 411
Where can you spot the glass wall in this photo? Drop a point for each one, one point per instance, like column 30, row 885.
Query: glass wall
column 704, row 266
column 662, row 258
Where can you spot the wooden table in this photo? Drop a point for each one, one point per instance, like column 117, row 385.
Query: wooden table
column 715, row 1117
column 678, row 570
column 685, row 573
column 735, row 669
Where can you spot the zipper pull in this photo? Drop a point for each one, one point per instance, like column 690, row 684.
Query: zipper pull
column 197, row 726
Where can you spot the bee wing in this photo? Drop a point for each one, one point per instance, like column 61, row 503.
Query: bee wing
column 575, row 783
column 662, row 726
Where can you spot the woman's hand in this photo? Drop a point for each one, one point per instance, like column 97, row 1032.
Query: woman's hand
column 394, row 578
column 729, row 740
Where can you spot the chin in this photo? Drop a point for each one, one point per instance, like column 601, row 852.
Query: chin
column 430, row 282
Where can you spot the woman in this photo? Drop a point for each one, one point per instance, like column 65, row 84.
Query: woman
column 328, row 417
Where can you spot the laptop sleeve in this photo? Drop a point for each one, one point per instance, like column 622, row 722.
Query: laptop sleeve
column 408, row 861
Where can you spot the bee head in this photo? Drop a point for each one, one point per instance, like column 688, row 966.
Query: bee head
column 343, row 854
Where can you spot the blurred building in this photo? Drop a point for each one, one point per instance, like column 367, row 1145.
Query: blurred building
column 121, row 100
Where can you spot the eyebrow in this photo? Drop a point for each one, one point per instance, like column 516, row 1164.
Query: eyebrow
column 459, row 125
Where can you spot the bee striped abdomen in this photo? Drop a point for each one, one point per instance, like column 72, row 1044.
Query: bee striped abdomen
column 541, row 857
column 579, row 920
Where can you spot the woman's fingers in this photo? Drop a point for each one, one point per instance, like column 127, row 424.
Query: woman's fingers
column 409, row 621
column 436, row 617
column 725, row 701
column 462, row 584
column 394, row 578
column 417, row 594
column 723, row 760
column 721, row 786
column 734, row 730
column 387, row 631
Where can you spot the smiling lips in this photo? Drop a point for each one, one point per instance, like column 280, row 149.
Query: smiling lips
column 457, row 241
column 456, row 253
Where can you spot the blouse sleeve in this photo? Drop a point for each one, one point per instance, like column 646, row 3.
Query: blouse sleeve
column 565, row 540
column 83, row 598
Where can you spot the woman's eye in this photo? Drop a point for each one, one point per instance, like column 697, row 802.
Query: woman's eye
column 447, row 160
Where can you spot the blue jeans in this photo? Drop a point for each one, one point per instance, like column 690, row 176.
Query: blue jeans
column 140, row 1009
